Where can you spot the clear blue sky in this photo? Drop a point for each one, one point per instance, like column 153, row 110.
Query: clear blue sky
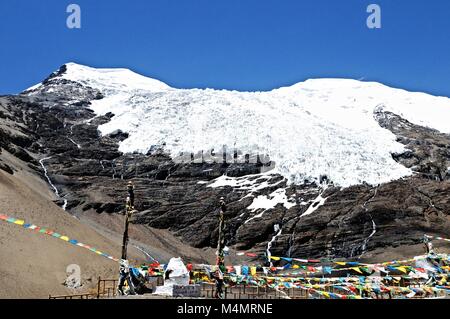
column 232, row 44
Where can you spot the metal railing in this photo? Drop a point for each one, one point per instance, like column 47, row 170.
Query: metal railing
column 254, row 292
column 106, row 288
column 80, row 296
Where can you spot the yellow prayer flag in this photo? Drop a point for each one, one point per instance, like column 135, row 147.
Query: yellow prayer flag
column 275, row 258
column 253, row 270
column 357, row 269
column 403, row 269
column 342, row 263
column 19, row 222
column 65, row 238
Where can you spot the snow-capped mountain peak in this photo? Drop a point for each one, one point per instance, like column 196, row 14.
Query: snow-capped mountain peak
column 105, row 79
column 111, row 79
column 317, row 127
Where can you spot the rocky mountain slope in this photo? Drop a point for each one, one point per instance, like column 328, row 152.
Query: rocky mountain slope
column 327, row 168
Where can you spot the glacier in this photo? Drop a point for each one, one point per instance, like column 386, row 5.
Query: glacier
column 313, row 128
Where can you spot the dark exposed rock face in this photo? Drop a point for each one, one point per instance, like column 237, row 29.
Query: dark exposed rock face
column 429, row 150
column 402, row 211
column 91, row 174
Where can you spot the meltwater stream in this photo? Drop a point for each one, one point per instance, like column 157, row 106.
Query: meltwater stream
column 74, row 143
column 277, row 229
column 374, row 226
column 64, row 206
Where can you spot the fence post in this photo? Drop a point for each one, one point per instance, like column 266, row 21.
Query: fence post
column 98, row 288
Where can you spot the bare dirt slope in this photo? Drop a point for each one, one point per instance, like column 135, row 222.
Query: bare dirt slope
column 150, row 243
column 33, row 265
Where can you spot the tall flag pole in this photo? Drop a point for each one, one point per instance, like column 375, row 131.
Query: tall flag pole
column 129, row 208
column 220, row 261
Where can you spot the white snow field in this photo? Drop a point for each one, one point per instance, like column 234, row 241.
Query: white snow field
column 317, row 127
